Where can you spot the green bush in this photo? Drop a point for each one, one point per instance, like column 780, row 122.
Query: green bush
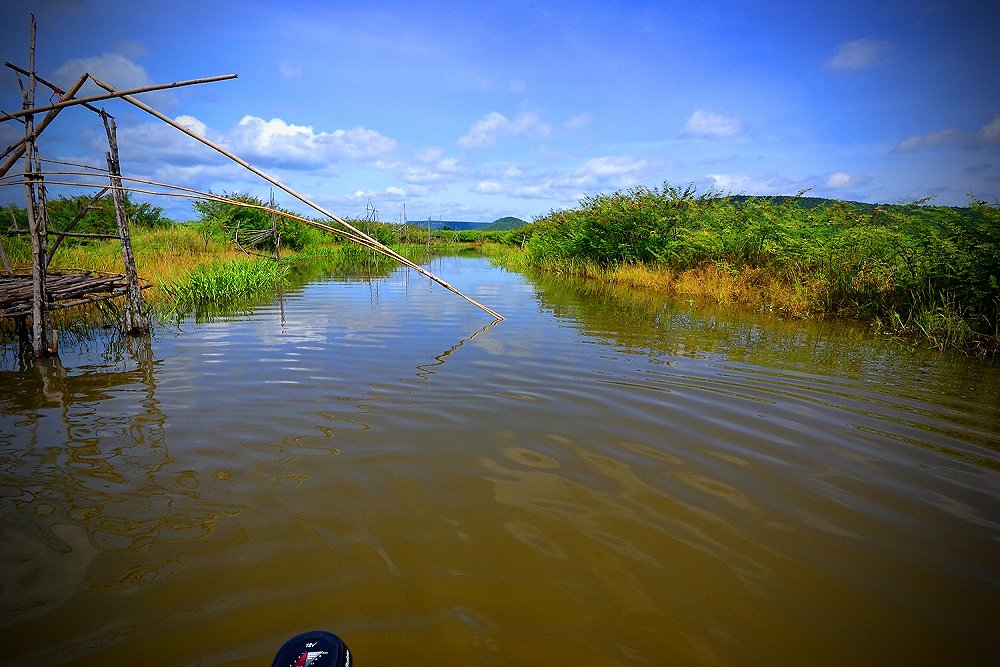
column 932, row 268
column 249, row 225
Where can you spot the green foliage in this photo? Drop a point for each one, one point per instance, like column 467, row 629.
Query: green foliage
column 249, row 225
column 100, row 217
column 506, row 223
column 226, row 280
column 935, row 269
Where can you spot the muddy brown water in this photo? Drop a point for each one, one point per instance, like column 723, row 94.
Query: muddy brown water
column 602, row 479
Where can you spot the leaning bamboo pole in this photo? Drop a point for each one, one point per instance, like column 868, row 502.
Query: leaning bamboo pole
column 16, row 150
column 69, row 100
column 246, row 165
column 111, row 94
column 135, row 309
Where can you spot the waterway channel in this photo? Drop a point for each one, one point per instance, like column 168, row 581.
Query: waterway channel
column 604, row 478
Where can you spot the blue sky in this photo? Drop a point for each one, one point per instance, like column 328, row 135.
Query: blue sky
column 478, row 110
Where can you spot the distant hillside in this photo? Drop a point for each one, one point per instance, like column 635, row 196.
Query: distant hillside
column 804, row 202
column 502, row 224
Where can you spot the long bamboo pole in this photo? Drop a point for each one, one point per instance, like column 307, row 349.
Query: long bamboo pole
column 36, row 221
column 135, row 310
column 18, row 148
column 246, row 165
column 111, row 94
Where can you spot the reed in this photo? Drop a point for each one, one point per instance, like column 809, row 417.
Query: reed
column 223, row 281
column 926, row 269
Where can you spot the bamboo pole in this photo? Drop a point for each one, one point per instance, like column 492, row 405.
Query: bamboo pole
column 15, row 151
column 189, row 193
column 60, row 235
column 246, row 165
column 111, row 94
column 36, row 222
column 135, row 315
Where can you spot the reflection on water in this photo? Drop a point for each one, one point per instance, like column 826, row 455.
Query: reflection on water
column 603, row 478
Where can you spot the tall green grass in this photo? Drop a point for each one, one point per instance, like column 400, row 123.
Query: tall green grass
column 223, row 281
column 926, row 269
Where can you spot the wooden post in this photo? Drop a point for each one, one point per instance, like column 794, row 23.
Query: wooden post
column 274, row 231
column 135, row 311
column 36, row 221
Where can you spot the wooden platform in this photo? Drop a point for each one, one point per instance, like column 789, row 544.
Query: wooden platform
column 64, row 289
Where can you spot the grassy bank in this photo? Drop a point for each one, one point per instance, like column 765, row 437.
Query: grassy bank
column 190, row 269
column 921, row 270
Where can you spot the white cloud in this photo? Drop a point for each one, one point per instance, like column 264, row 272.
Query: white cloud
column 754, row 185
column 300, row 145
column 840, row 180
column 485, row 131
column 132, row 49
column 289, row 70
column 989, row 134
column 432, row 170
column 578, row 121
column 710, row 124
column 488, row 188
column 112, row 68
column 429, row 154
column 604, row 167
column 929, row 140
column 859, row 54
column 193, row 124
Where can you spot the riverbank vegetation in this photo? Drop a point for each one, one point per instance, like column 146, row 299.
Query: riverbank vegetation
column 917, row 269
column 912, row 270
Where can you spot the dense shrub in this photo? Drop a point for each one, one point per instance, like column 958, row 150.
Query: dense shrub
column 916, row 263
column 249, row 225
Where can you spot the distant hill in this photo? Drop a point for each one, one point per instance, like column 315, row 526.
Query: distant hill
column 804, row 202
column 502, row 224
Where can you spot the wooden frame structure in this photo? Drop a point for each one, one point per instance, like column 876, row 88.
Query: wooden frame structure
column 51, row 291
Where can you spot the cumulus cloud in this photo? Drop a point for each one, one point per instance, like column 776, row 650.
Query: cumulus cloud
column 989, row 134
column 289, row 70
column 578, row 121
column 604, row 167
column 156, row 143
column 929, row 140
column 488, row 188
column 301, row 145
column 429, row 154
column 756, row 185
column 710, row 124
column 434, row 169
column 859, row 54
column 193, row 124
column 112, row 68
column 485, row 131
column 840, row 180
column 132, row 49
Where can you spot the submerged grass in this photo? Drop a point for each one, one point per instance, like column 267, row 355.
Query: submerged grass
column 226, row 280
